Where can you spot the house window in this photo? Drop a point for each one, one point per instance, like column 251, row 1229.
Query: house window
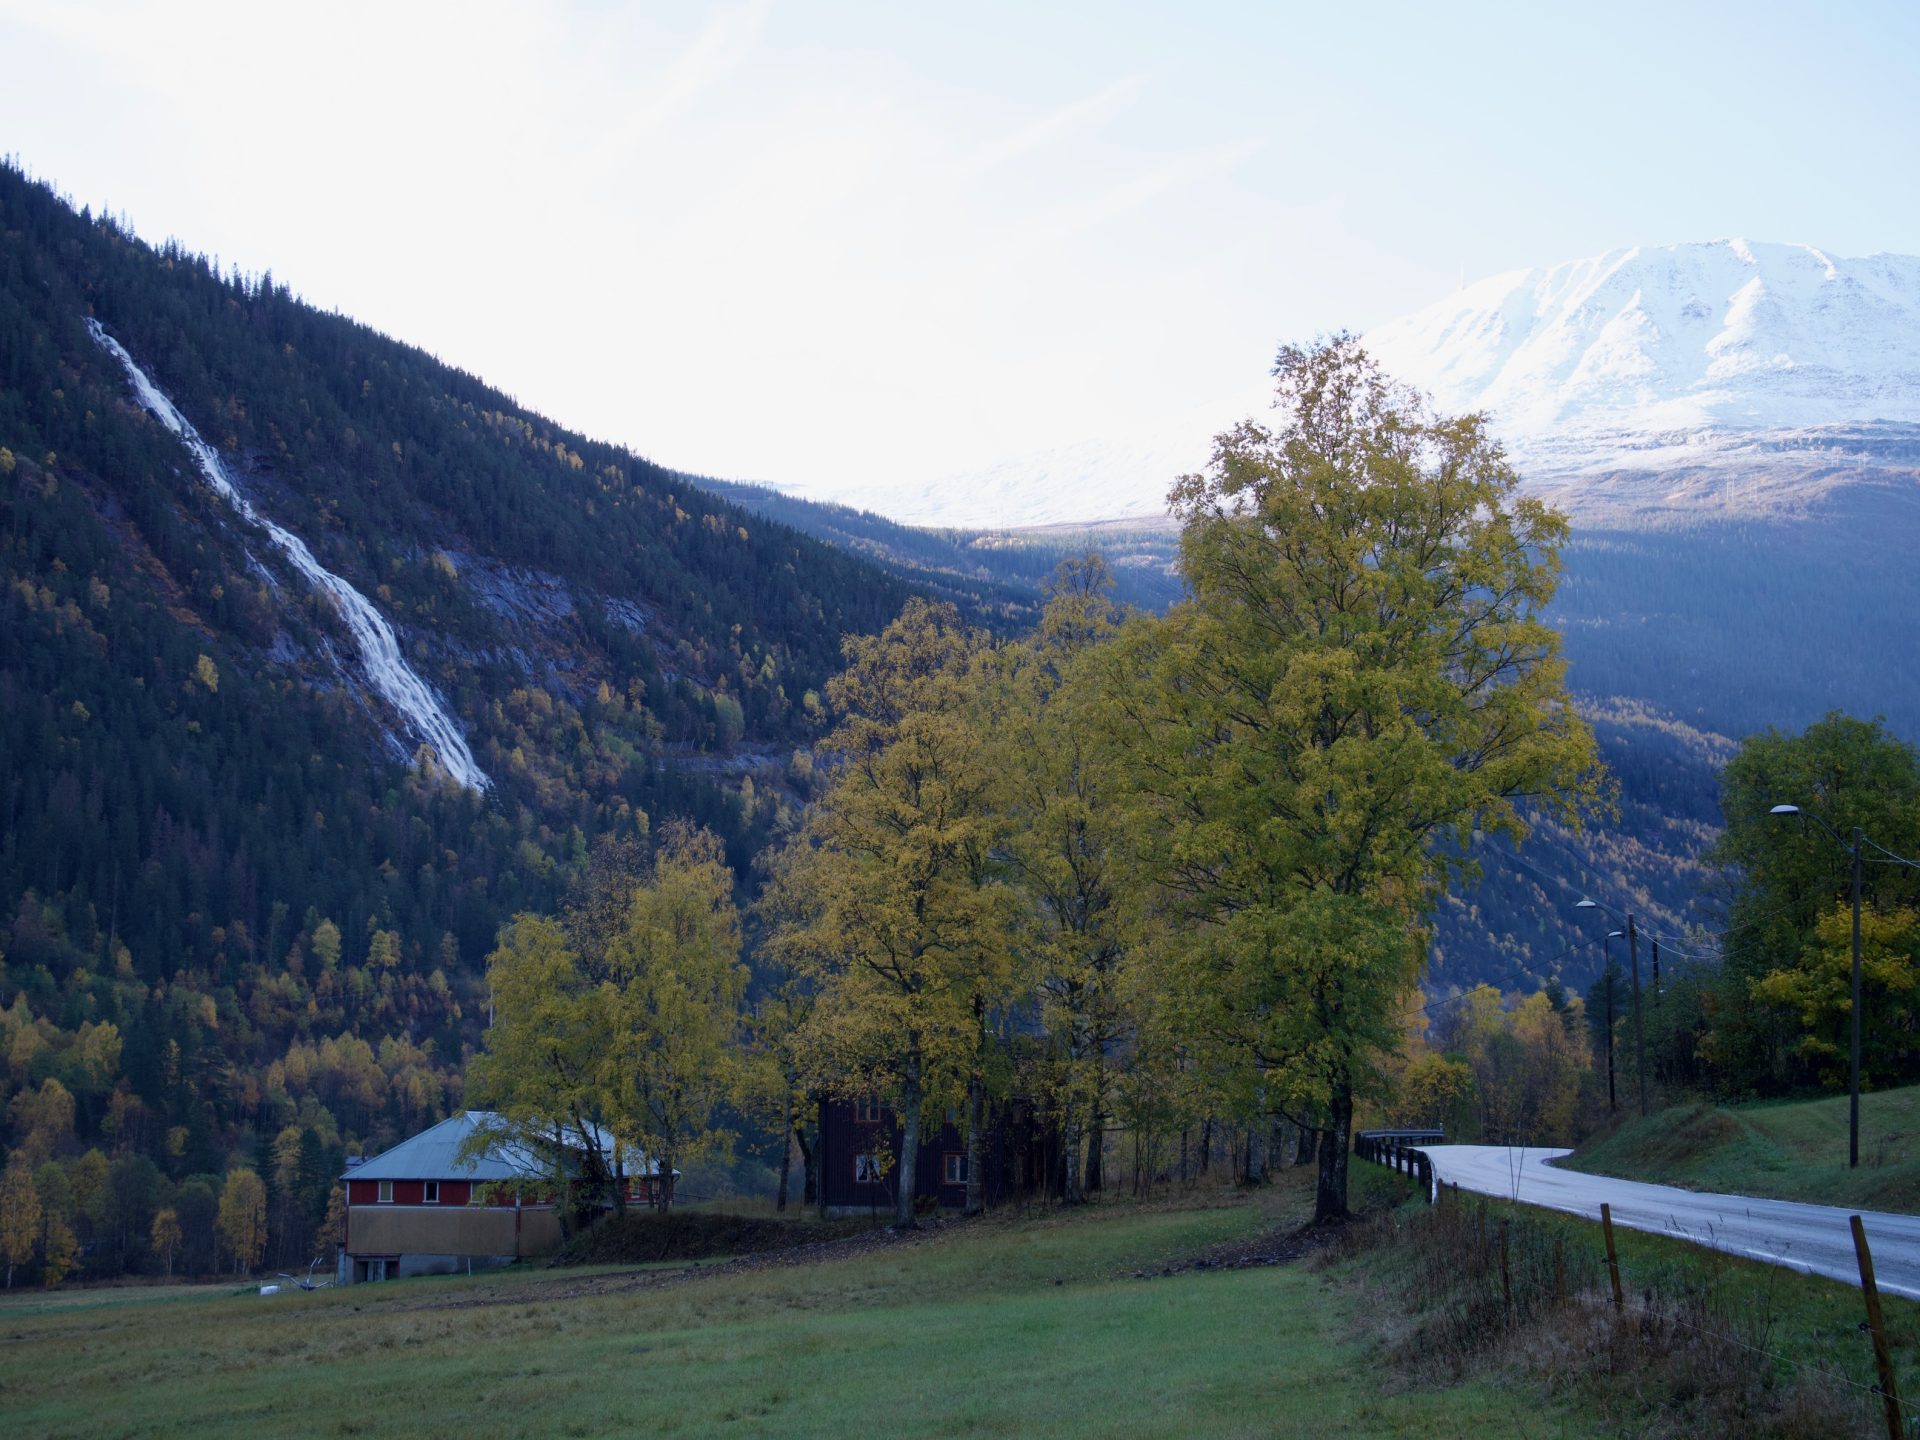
column 953, row 1168
column 866, row 1112
column 386, row 1192
column 432, row 1196
column 866, row 1169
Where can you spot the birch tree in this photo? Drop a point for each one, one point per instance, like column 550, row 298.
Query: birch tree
column 19, row 1214
column 671, row 1003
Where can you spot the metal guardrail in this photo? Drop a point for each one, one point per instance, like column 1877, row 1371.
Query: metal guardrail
column 1397, row 1154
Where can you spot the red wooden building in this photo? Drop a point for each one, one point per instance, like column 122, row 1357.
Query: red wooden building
column 424, row 1208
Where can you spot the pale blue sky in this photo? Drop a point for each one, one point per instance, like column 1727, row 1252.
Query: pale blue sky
column 808, row 241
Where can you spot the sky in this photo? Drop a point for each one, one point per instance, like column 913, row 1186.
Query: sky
column 850, row 247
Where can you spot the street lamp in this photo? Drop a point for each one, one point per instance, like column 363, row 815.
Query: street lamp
column 1606, row 954
column 1852, row 847
column 1639, row 1029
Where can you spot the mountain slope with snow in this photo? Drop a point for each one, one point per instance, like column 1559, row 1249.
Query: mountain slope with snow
column 1729, row 356
column 1655, row 345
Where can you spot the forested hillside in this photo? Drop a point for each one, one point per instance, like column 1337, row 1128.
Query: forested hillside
column 240, row 925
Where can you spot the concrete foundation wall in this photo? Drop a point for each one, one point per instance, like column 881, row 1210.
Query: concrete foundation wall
column 439, row 1231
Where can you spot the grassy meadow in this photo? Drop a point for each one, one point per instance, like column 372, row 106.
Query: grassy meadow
column 1046, row 1325
column 1787, row 1150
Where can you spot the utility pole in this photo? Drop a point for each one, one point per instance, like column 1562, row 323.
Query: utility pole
column 1853, row 1095
column 1639, row 1029
column 1613, row 1106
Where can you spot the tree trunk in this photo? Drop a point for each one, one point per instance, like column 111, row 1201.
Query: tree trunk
column 1303, row 1144
column 977, row 1114
column 976, row 1145
column 786, row 1154
column 1330, row 1194
column 809, row 1171
column 1070, row 1191
column 911, row 1099
column 1206, row 1145
column 1256, row 1171
column 1096, row 1152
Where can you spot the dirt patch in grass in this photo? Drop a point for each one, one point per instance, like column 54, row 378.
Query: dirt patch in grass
column 1275, row 1247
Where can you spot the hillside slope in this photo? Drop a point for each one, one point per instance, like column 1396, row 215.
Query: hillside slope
column 1787, row 1150
column 228, row 833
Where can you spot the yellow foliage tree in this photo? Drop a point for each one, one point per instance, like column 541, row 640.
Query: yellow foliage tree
column 242, row 1218
column 19, row 1214
column 165, row 1236
column 895, row 914
column 1819, row 989
column 1361, row 678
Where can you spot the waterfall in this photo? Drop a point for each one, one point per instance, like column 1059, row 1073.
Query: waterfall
column 387, row 670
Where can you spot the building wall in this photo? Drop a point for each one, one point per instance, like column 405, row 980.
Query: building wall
column 1021, row 1158
column 450, row 1230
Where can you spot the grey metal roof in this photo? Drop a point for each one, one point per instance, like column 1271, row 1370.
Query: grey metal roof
column 434, row 1154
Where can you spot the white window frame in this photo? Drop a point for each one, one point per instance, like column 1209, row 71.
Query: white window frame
column 385, row 1192
column 430, row 1192
column 866, row 1170
column 953, row 1167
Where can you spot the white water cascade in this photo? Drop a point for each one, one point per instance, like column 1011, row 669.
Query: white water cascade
column 388, row 672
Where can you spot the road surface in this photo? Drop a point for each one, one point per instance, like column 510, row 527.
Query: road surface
column 1814, row 1239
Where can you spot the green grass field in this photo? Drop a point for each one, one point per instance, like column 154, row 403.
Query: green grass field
column 1004, row 1327
column 1788, row 1150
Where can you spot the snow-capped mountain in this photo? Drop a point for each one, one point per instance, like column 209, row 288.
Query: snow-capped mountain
column 1728, row 375
column 1604, row 360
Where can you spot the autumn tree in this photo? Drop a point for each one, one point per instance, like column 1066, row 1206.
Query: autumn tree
column 540, row 1069
column 1776, row 1019
column 242, row 1219
column 165, row 1236
column 1360, row 682
column 19, row 1214
column 779, row 1081
column 671, row 995
column 59, row 1246
column 1066, row 847
column 613, row 1029
column 900, row 922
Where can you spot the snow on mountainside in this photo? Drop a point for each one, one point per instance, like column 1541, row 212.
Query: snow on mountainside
column 1760, row 375
column 1605, row 360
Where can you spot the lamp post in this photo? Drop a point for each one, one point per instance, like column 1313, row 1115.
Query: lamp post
column 1853, row 848
column 1606, row 955
column 1639, row 1029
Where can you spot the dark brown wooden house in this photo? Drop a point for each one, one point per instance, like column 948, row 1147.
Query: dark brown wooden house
column 858, row 1159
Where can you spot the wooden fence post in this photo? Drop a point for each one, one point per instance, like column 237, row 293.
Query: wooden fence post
column 1889, row 1391
column 1613, row 1259
column 1506, row 1273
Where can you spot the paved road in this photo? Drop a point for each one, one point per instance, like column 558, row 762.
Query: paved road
column 1811, row 1238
